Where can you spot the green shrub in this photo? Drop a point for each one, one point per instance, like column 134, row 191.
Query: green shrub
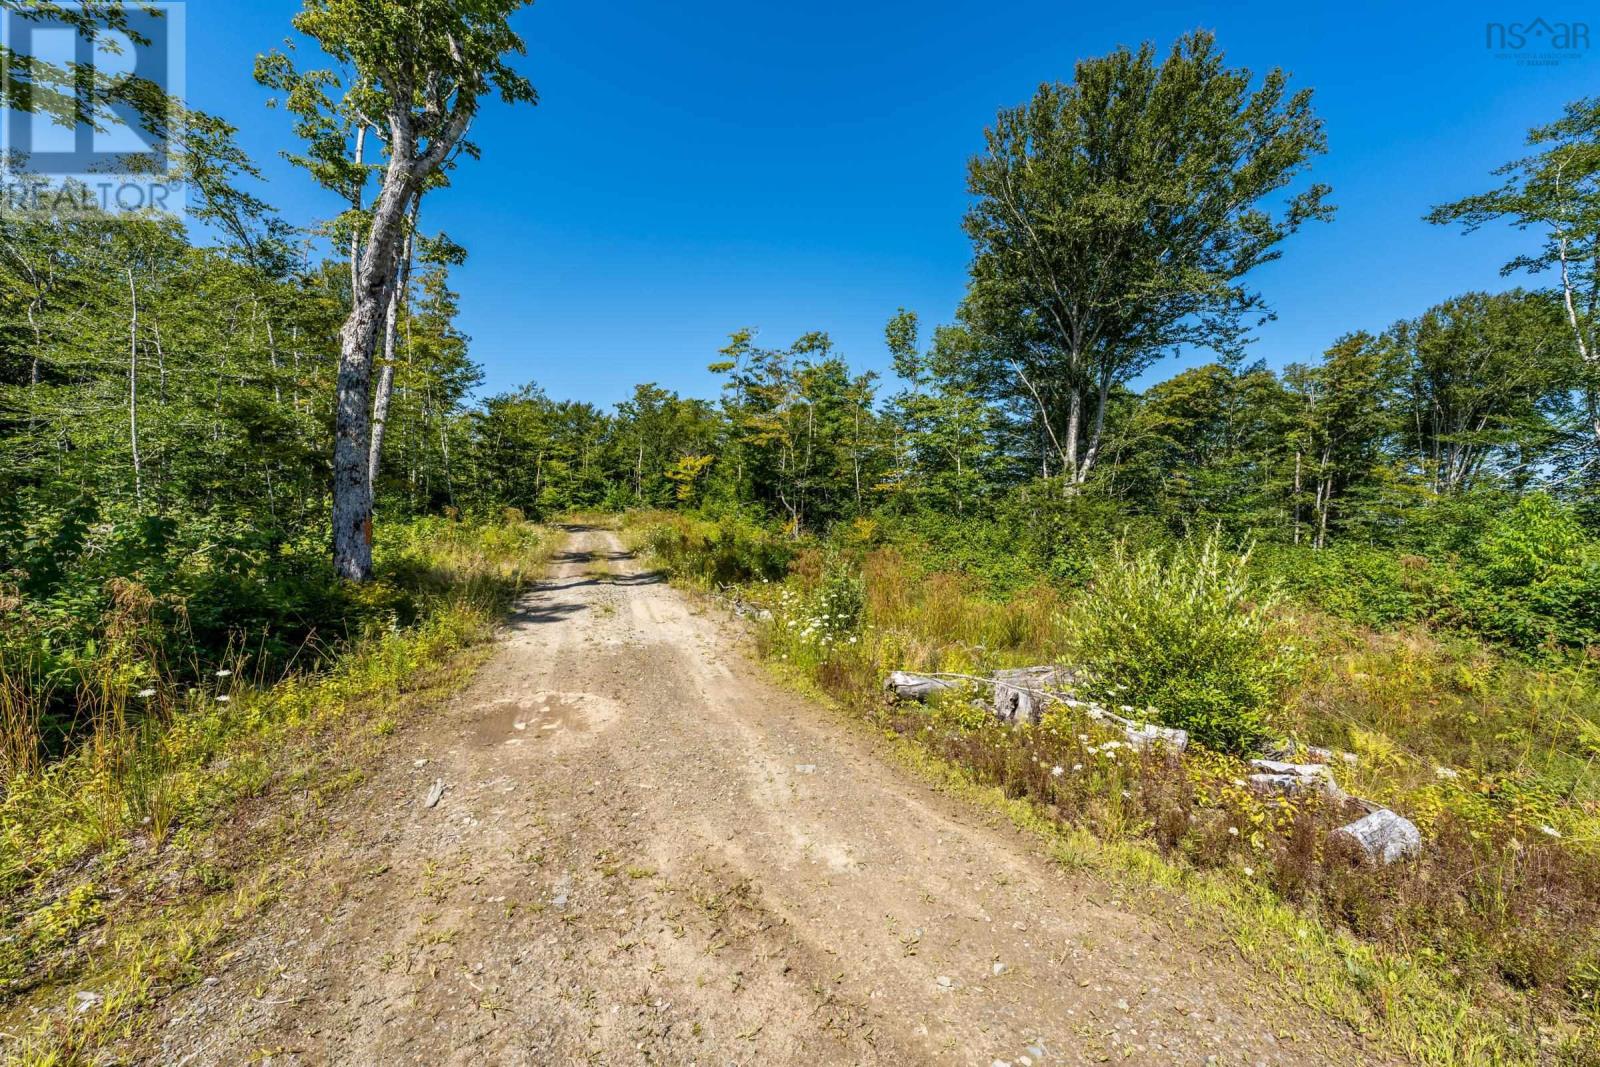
column 735, row 549
column 1185, row 632
column 1371, row 586
column 841, row 601
column 1533, row 579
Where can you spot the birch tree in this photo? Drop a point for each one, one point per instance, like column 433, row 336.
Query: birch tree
column 411, row 75
column 1555, row 193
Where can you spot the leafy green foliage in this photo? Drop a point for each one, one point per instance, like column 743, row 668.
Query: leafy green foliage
column 711, row 554
column 1116, row 217
column 1187, row 632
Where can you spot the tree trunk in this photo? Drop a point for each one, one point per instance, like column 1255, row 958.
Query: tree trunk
column 1069, row 455
column 133, row 389
column 1102, row 397
column 1297, row 500
column 380, row 403
column 38, row 344
column 352, row 490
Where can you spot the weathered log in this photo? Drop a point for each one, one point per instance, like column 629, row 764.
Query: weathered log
column 1146, row 734
column 1300, row 770
column 750, row 611
column 1294, row 752
column 1329, row 755
column 1295, row 778
column 1021, row 694
column 907, row 686
column 1383, row 836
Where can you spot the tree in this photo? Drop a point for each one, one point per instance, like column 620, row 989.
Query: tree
column 1116, row 218
column 1207, row 447
column 800, row 429
column 415, row 73
column 1480, row 378
column 1556, row 193
column 946, row 457
column 1342, row 427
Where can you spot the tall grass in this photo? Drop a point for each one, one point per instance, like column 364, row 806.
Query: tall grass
column 158, row 762
column 1491, row 756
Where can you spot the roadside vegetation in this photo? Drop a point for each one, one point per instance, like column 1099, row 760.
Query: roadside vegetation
column 1388, row 548
column 1490, row 941
column 168, row 819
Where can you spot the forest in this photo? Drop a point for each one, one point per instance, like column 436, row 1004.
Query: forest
column 248, row 476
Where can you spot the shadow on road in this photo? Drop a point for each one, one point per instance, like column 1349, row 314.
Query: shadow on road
column 546, row 606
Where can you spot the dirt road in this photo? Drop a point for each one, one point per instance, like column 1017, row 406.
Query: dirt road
column 648, row 853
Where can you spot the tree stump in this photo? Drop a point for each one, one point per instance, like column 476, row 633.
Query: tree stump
column 1020, row 693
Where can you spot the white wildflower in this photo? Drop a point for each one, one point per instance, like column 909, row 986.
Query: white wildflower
column 223, row 673
column 147, row 693
column 1550, row 831
column 223, row 698
column 1077, row 766
column 1249, row 872
column 1233, row 831
column 1057, row 771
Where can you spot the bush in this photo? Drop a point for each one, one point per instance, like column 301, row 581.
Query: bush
column 1185, row 632
column 716, row 553
column 1372, row 586
column 1534, row 579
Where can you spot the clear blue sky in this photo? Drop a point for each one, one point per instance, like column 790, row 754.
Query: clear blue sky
column 696, row 168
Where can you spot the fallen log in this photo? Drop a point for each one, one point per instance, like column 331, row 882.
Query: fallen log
column 907, row 686
column 1293, row 752
column 1021, row 694
column 1146, row 734
column 1295, row 778
column 1383, row 837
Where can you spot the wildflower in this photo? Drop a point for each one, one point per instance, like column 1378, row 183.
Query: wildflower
column 1128, row 708
column 146, row 694
column 223, row 699
column 1084, row 738
column 1249, row 872
column 1239, row 782
column 1233, row 831
column 1077, row 766
column 223, row 673
column 1550, row 831
column 1057, row 771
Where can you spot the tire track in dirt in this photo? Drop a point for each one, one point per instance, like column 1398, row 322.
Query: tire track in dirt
column 647, row 853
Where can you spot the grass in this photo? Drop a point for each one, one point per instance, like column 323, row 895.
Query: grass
column 1485, row 951
column 126, row 863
